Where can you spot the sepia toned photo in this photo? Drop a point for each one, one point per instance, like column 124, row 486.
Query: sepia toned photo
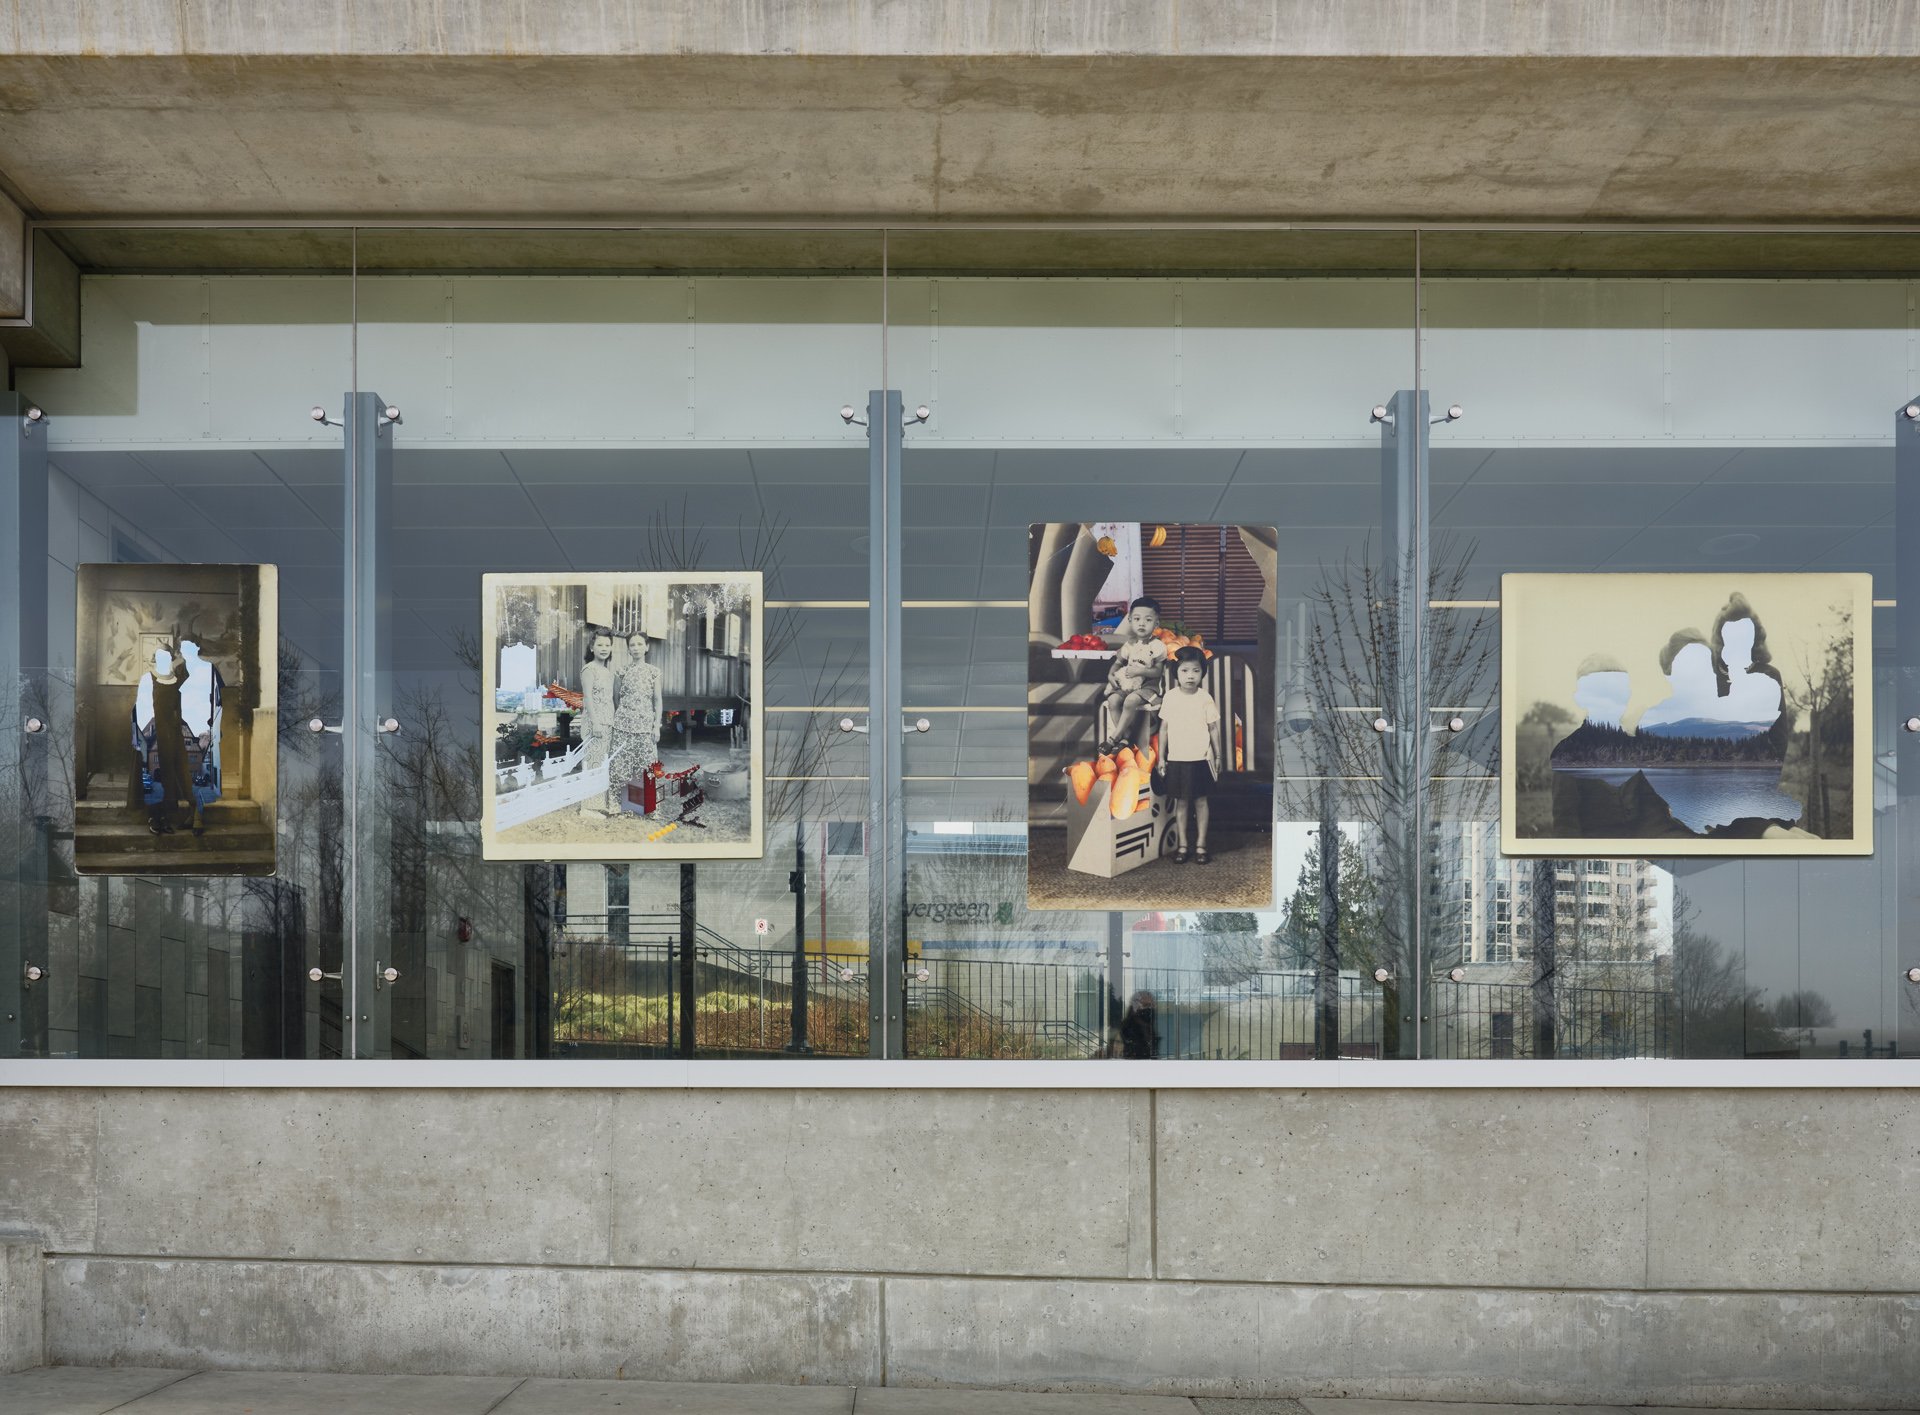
column 623, row 716
column 1686, row 714
column 1149, row 714
column 174, row 743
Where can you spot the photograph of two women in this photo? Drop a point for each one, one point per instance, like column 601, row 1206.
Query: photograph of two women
column 623, row 716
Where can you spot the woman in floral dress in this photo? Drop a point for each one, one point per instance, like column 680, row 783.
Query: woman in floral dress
column 636, row 719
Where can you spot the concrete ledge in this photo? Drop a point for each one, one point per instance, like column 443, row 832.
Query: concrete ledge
column 438, row 1320
column 1758, row 1350
column 23, row 1336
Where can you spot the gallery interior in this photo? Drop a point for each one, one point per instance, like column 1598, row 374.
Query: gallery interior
column 872, row 420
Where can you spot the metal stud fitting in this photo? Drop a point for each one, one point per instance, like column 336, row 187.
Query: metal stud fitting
column 314, row 975
column 33, row 973
column 847, row 724
column 1382, row 414
column 321, row 416
column 389, row 724
column 1383, row 975
column 1912, row 724
column 1456, row 724
column 1456, row 975
column 317, row 725
column 1380, row 724
column 919, row 724
column 35, row 725
column 32, row 418
column 384, row 975
column 1912, row 410
column 1453, row 414
column 389, row 414
column 1913, row 975
column 849, row 415
column 919, row 414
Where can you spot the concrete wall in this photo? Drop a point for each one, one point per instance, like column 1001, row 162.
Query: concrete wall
column 1672, row 1247
column 23, row 1338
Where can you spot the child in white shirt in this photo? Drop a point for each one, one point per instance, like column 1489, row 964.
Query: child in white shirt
column 1191, row 746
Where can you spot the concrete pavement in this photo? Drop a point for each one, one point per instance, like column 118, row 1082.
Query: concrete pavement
column 129, row 1390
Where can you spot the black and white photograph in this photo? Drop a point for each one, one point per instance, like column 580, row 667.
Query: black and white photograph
column 623, row 712
column 174, row 748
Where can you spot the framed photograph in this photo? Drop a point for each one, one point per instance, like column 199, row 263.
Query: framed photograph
column 619, row 726
column 176, row 719
column 1686, row 714
column 1150, row 691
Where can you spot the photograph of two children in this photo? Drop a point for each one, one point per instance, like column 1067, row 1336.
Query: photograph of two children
column 1150, row 683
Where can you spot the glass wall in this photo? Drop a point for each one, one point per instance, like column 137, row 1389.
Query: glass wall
column 960, row 461
column 160, row 929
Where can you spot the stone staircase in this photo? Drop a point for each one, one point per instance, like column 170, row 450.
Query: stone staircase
column 111, row 837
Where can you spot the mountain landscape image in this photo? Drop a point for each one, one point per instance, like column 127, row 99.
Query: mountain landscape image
column 1701, row 714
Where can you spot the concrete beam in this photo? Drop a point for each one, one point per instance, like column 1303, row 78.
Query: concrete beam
column 1108, row 137
column 39, row 299
column 969, row 28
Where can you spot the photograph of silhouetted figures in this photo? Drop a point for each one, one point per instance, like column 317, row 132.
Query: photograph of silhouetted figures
column 174, row 741
column 1691, row 714
column 1150, row 652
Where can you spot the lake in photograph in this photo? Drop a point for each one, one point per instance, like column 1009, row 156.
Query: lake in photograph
column 1705, row 796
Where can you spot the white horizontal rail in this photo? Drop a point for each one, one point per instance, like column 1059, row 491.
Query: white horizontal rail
column 855, row 1074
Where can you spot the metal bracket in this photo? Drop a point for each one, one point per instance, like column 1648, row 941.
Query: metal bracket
column 314, row 975
column 388, row 725
column 35, row 725
column 849, row 415
column 383, row 976
column 919, row 724
column 1453, row 414
column 321, row 416
column 316, row 727
column 32, row 418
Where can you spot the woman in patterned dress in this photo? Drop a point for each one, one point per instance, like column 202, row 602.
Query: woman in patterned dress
column 636, row 720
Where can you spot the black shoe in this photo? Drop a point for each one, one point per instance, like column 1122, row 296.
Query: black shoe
column 155, row 828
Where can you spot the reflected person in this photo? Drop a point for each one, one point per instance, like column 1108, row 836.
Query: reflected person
column 1139, row 1034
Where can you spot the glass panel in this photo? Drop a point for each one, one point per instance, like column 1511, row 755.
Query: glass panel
column 181, row 869
column 1196, row 434
column 1727, row 430
column 589, row 417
